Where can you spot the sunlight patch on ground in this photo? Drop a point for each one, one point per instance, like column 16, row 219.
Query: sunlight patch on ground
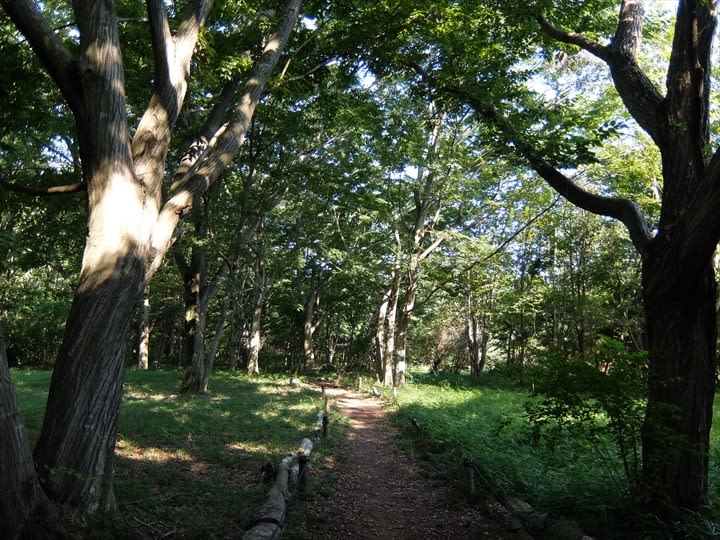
column 139, row 394
column 153, row 454
column 251, row 448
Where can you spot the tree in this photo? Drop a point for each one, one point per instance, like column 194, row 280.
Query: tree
column 493, row 71
column 677, row 272
column 130, row 224
column 678, row 276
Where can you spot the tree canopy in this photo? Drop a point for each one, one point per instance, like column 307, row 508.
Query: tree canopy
column 355, row 186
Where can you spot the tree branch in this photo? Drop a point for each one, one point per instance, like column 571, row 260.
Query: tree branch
column 172, row 57
column 161, row 38
column 51, row 51
column 640, row 96
column 53, row 190
column 623, row 210
column 224, row 146
column 571, row 38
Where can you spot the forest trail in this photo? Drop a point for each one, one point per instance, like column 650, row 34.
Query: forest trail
column 380, row 492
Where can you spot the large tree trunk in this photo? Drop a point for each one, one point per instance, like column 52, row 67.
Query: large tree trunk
column 75, row 450
column 129, row 230
column 21, row 496
column 682, row 337
column 74, row 453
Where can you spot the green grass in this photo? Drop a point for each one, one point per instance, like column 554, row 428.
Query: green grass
column 483, row 421
column 186, row 464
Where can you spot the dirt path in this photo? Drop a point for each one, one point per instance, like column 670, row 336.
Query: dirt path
column 381, row 493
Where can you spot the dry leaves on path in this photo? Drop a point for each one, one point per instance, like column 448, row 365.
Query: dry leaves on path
column 379, row 492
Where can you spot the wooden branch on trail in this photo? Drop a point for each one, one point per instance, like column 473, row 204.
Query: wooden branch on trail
column 268, row 521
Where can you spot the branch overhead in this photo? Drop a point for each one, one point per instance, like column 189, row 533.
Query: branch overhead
column 638, row 93
column 54, row 190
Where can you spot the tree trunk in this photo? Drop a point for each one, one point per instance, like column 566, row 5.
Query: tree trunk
column 309, row 324
column 74, row 453
column 391, row 326
column 164, row 333
column 21, row 497
column 255, row 337
column 402, row 329
column 75, row 450
column 380, row 335
column 144, row 342
column 682, row 338
column 473, row 342
column 236, row 341
column 261, row 287
column 212, row 351
column 193, row 348
column 253, row 367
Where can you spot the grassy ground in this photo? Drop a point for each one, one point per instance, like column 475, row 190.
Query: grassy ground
column 188, row 466
column 483, row 422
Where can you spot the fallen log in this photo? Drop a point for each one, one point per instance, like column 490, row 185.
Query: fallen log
column 268, row 520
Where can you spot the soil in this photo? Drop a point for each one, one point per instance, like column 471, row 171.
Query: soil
column 380, row 492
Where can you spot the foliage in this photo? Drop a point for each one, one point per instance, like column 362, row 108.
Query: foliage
column 337, row 142
column 485, row 420
column 597, row 397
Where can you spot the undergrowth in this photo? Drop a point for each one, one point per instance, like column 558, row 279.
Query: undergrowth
column 452, row 419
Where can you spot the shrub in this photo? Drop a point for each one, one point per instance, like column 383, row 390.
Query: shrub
column 599, row 398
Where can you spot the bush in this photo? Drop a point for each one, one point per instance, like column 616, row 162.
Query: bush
column 599, row 398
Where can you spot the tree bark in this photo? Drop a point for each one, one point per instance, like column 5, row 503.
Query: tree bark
column 144, row 338
column 212, row 350
column 21, row 497
column 193, row 347
column 128, row 233
column 380, row 334
column 681, row 321
column 391, row 325
column 262, row 285
column 309, row 324
column 74, row 453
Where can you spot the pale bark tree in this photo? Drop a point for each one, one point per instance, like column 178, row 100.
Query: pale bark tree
column 380, row 331
column 130, row 224
column 309, row 322
column 144, row 335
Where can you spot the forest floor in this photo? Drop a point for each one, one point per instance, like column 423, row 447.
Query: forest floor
column 380, row 492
